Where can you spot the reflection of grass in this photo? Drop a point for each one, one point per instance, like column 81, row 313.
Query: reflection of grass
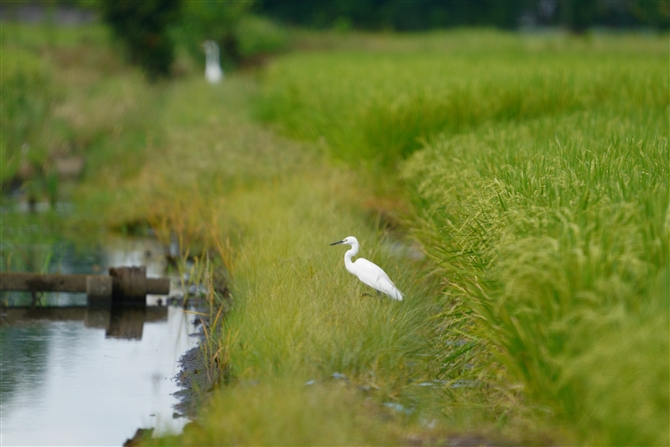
column 28, row 242
column 35, row 243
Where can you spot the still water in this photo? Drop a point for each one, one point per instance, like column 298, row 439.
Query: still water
column 76, row 376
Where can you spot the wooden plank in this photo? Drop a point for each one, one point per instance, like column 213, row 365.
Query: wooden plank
column 37, row 282
column 158, row 286
column 43, row 282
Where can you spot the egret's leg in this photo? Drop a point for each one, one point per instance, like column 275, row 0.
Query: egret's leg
column 378, row 294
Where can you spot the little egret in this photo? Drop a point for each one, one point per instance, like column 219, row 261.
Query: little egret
column 369, row 273
column 213, row 71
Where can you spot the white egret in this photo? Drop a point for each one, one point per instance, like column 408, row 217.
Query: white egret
column 369, row 273
column 213, row 72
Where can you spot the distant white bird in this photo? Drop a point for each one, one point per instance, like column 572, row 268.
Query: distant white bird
column 213, row 72
column 367, row 272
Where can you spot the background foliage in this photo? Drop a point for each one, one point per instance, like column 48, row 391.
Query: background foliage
column 25, row 105
column 143, row 28
column 429, row 14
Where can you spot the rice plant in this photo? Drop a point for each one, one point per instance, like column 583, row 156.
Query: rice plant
column 538, row 170
column 555, row 234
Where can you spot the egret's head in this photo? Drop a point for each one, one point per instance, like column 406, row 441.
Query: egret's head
column 350, row 240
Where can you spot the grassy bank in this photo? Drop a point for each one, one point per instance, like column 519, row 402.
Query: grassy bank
column 298, row 317
column 186, row 158
column 68, row 97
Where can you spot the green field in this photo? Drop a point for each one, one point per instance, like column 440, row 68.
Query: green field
column 530, row 172
column 538, row 168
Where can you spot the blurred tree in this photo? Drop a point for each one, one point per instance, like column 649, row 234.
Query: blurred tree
column 142, row 27
column 654, row 13
column 404, row 15
column 401, row 15
column 578, row 17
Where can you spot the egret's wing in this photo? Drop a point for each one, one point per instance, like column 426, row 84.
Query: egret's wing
column 372, row 275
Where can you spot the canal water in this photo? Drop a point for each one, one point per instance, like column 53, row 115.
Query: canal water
column 76, row 376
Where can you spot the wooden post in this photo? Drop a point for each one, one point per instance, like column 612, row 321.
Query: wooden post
column 129, row 284
column 99, row 290
column 158, row 286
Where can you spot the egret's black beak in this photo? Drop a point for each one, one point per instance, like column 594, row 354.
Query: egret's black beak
column 338, row 242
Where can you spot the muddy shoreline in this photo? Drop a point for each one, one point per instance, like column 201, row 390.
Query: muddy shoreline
column 195, row 382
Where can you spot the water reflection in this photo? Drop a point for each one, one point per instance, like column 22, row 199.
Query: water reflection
column 118, row 321
column 73, row 375
column 67, row 384
column 126, row 323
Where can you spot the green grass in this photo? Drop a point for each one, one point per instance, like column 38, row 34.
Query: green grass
column 297, row 314
column 375, row 107
column 538, row 167
column 38, row 37
column 27, row 94
column 66, row 93
column 555, row 232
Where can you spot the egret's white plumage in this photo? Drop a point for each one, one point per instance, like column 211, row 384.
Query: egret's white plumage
column 369, row 273
column 213, row 72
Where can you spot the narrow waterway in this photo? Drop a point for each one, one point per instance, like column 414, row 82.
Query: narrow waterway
column 74, row 376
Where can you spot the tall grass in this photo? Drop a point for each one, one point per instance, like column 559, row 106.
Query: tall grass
column 27, row 95
column 268, row 208
column 556, row 234
column 538, row 168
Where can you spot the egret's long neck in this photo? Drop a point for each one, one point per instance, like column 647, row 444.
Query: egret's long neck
column 348, row 255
